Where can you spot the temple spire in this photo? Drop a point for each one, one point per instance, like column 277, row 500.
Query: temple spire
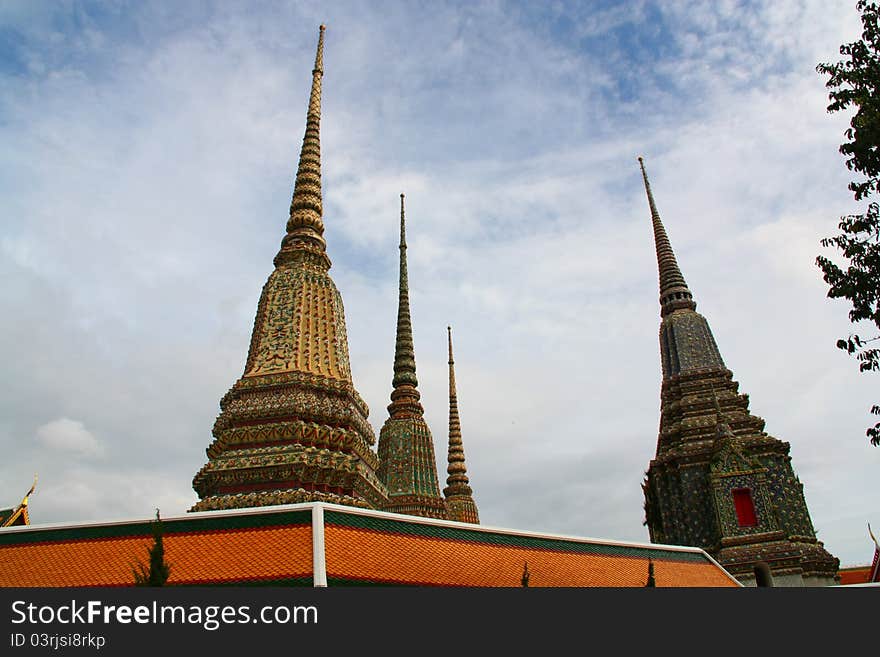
column 305, row 227
column 407, row 463
column 734, row 494
column 459, row 496
column 686, row 341
column 456, row 470
column 674, row 292
column 404, row 354
column 293, row 428
column 405, row 395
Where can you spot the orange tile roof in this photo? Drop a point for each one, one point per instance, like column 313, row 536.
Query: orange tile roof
column 362, row 547
column 357, row 554
column 206, row 550
column 215, row 557
column 275, row 545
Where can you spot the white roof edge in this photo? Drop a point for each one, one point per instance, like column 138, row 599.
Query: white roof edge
column 505, row 530
column 303, row 506
column 281, row 508
column 528, row 534
column 732, row 578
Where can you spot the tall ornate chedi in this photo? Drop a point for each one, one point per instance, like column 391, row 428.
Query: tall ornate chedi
column 293, row 428
column 459, row 496
column 718, row 481
column 406, row 449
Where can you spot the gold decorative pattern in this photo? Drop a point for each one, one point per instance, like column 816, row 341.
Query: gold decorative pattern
column 293, row 428
column 296, row 327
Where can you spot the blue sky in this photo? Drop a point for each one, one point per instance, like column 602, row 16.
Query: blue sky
column 148, row 160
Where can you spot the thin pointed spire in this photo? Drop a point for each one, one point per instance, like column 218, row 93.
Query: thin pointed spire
column 674, row 292
column 305, row 227
column 407, row 461
column 457, row 470
column 404, row 353
column 296, row 391
column 405, row 382
column 458, row 492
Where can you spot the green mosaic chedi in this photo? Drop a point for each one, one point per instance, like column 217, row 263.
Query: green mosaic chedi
column 406, row 448
column 718, row 481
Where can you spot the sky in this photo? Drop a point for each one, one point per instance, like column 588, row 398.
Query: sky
column 147, row 157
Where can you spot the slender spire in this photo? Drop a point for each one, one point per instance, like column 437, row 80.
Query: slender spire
column 407, row 461
column 405, row 382
column 457, row 470
column 305, row 227
column 674, row 292
column 686, row 341
column 293, row 428
column 457, row 481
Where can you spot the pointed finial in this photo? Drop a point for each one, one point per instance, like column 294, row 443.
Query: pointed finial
column 402, row 224
column 319, row 56
column 305, row 227
column 674, row 292
column 24, row 500
column 452, row 392
column 648, row 188
column 451, row 362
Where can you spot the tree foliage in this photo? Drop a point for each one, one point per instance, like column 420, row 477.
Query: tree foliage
column 854, row 84
column 651, row 583
column 158, row 570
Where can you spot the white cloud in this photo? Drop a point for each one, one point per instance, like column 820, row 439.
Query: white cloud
column 69, row 436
